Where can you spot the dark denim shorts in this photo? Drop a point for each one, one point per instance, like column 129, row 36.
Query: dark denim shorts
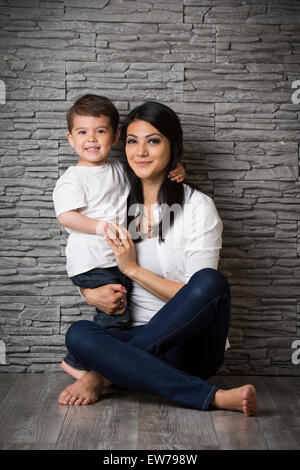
column 99, row 277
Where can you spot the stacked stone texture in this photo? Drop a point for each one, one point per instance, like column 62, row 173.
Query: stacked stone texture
column 227, row 68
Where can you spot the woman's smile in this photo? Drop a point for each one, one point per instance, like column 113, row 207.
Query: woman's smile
column 143, row 163
column 148, row 151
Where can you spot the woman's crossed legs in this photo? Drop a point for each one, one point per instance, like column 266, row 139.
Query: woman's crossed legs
column 170, row 356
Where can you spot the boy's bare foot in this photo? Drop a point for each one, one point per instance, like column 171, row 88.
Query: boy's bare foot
column 76, row 373
column 85, row 391
column 240, row 399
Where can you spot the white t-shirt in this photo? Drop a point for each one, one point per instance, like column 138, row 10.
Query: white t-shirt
column 144, row 305
column 99, row 193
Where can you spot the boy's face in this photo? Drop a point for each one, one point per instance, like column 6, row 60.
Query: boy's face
column 92, row 138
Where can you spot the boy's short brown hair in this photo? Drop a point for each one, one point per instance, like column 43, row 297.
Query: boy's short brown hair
column 94, row 105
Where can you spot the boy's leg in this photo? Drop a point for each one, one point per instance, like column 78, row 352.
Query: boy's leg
column 96, row 278
column 100, row 277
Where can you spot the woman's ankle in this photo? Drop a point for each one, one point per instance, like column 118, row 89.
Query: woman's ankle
column 216, row 402
column 96, row 376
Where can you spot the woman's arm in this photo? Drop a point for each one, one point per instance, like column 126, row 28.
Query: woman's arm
column 126, row 258
column 203, row 238
column 158, row 286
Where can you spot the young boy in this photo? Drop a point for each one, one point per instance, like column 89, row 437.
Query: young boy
column 90, row 194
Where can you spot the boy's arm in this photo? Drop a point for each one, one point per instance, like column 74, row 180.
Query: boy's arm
column 177, row 174
column 81, row 223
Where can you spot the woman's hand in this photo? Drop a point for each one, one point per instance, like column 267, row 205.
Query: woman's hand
column 120, row 241
column 126, row 258
column 110, row 299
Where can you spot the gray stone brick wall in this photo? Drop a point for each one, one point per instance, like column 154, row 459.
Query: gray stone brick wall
column 227, row 68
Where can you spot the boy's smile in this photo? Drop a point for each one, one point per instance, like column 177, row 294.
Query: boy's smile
column 92, row 138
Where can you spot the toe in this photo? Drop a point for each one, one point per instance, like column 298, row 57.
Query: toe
column 249, row 400
column 248, row 408
column 73, row 399
column 78, row 401
column 86, row 401
column 67, row 398
column 246, row 392
column 89, row 400
column 62, row 397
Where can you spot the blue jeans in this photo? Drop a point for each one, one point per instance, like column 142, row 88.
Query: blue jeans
column 170, row 356
column 99, row 277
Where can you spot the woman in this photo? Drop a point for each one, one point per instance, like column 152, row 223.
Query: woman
column 180, row 303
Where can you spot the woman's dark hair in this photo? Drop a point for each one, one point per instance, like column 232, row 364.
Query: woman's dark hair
column 167, row 122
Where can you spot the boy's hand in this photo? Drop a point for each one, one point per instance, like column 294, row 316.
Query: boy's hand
column 177, row 174
column 115, row 231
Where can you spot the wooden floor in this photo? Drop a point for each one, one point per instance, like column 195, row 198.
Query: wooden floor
column 30, row 418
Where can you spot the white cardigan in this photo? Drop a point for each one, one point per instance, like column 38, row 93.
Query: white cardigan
column 195, row 239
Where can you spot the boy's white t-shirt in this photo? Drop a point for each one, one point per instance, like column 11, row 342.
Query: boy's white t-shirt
column 99, row 193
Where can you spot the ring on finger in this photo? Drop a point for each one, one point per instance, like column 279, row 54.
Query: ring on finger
column 120, row 244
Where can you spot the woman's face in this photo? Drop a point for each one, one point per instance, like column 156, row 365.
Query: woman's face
column 148, row 151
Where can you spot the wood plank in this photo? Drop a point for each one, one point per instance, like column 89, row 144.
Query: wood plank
column 235, row 431
column 19, row 446
column 276, row 431
column 124, row 422
column 30, row 418
column 6, row 381
column 294, row 384
column 109, row 424
column 285, row 392
column 166, row 425
column 29, row 413
column 127, row 420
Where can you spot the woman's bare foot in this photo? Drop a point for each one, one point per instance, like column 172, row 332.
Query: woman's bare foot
column 76, row 373
column 240, row 399
column 85, row 391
